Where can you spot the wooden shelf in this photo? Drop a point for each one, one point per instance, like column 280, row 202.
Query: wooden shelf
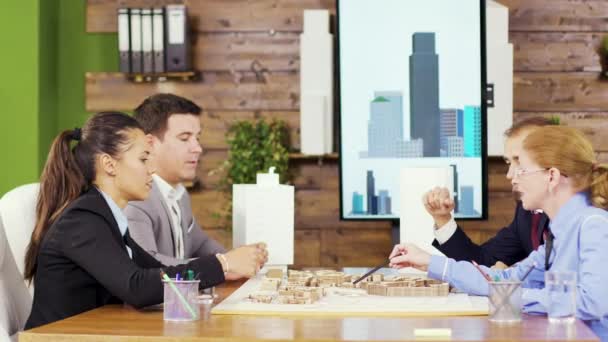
column 318, row 157
column 216, row 91
column 163, row 76
column 297, row 155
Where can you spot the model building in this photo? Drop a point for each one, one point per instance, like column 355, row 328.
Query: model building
column 307, row 287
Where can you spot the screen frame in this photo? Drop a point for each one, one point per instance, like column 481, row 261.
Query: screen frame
column 484, row 115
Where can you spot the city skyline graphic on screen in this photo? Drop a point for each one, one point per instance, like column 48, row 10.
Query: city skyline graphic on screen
column 417, row 103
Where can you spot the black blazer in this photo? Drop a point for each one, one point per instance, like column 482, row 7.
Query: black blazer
column 83, row 264
column 512, row 243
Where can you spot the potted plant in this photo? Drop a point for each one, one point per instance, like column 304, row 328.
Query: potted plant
column 253, row 148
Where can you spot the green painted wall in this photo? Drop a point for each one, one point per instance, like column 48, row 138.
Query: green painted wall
column 79, row 52
column 19, row 67
column 47, row 77
column 43, row 84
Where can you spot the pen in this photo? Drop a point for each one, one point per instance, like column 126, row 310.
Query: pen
column 481, row 271
column 371, row 271
column 528, row 272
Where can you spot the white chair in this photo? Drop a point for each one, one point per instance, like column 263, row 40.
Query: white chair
column 15, row 300
column 18, row 213
column 17, row 220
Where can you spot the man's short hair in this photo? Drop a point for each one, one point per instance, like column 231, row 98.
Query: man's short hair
column 525, row 124
column 153, row 114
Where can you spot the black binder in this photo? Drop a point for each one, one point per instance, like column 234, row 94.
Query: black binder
column 178, row 43
column 158, row 38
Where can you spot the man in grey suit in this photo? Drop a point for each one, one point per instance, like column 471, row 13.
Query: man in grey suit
column 163, row 224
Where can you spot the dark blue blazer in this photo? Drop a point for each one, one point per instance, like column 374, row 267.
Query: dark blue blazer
column 512, row 243
column 83, row 264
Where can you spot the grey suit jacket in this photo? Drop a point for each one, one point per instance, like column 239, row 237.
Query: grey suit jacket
column 151, row 227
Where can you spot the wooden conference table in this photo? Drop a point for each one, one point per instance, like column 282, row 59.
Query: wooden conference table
column 120, row 323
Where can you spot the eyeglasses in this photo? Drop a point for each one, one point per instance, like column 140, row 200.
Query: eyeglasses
column 520, row 172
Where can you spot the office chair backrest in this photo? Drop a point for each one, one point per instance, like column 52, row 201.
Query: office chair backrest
column 15, row 300
column 18, row 213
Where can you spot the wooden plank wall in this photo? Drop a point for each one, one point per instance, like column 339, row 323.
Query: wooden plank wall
column 248, row 53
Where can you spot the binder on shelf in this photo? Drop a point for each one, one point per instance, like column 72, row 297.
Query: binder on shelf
column 177, row 50
column 123, row 40
column 158, row 37
column 136, row 46
column 146, row 40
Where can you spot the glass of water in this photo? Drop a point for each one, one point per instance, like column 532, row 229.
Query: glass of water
column 561, row 295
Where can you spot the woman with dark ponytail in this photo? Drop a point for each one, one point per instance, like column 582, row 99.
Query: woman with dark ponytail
column 81, row 255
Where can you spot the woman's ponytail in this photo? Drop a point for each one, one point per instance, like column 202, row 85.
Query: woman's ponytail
column 61, row 182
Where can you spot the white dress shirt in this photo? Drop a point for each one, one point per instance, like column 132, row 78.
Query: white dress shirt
column 119, row 216
column 171, row 195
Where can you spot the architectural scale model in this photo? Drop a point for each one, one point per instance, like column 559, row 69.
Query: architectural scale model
column 307, row 287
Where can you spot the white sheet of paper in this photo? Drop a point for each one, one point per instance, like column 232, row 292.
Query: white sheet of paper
column 416, row 225
column 265, row 214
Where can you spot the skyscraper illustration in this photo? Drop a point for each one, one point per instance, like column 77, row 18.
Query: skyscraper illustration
column 472, row 131
column 357, row 203
column 466, row 201
column 410, row 149
column 384, row 203
column 455, row 189
column 396, row 110
column 454, row 147
column 424, row 93
column 376, row 204
column 385, row 126
column 371, row 190
column 450, row 122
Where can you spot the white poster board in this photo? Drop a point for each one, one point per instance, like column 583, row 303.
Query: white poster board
column 416, row 224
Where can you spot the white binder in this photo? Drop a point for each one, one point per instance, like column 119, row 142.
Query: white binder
column 146, row 40
column 123, row 40
column 158, row 37
column 136, row 46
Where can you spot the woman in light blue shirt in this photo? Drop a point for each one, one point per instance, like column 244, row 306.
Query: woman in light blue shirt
column 558, row 174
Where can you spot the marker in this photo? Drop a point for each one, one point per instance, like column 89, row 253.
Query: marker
column 190, row 275
column 177, row 277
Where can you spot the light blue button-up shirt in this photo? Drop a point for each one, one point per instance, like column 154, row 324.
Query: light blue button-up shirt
column 119, row 216
column 580, row 245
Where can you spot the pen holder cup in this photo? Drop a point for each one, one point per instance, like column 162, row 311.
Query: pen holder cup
column 505, row 301
column 180, row 300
